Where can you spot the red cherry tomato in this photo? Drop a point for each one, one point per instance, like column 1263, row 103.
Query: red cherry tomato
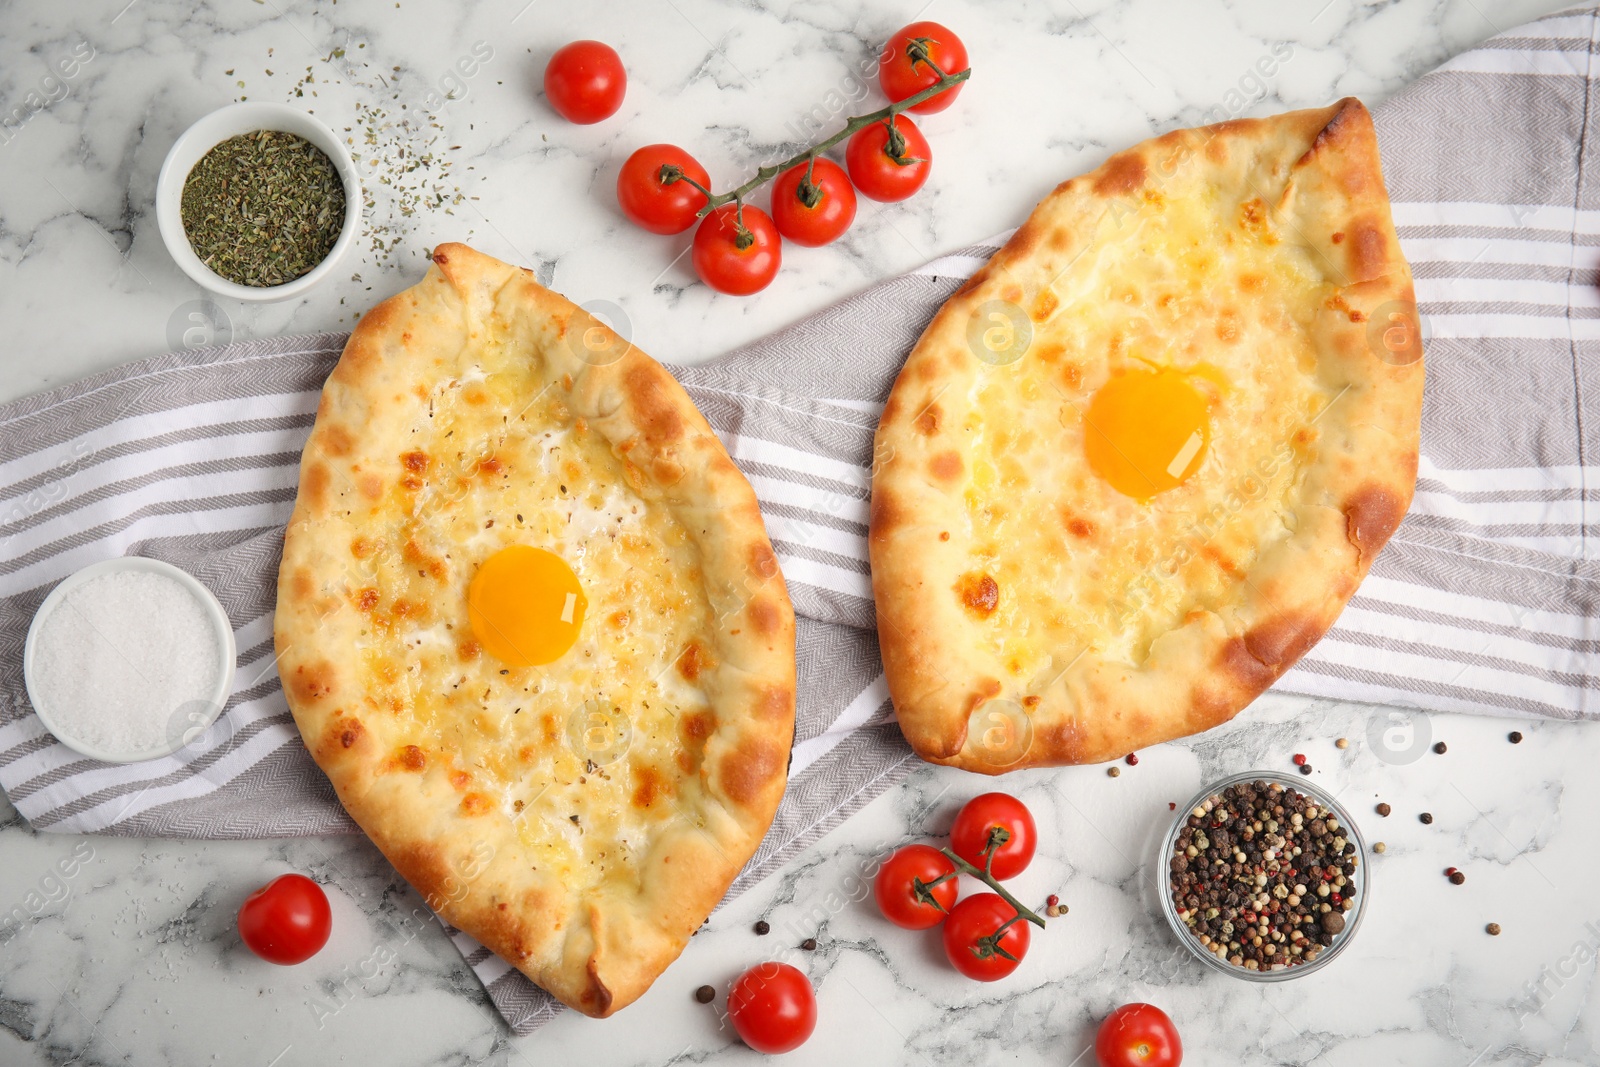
column 986, row 816
column 287, row 920
column 649, row 200
column 885, row 171
column 773, row 1008
column 1138, row 1035
column 723, row 264
column 969, row 938
column 824, row 220
column 901, row 75
column 905, row 903
column 585, row 82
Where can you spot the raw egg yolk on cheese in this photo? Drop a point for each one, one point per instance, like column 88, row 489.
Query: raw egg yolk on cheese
column 526, row 606
column 1147, row 431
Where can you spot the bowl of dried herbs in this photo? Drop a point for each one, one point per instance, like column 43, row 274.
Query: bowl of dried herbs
column 258, row 201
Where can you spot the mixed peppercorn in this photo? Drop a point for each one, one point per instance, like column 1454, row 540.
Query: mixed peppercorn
column 1263, row 875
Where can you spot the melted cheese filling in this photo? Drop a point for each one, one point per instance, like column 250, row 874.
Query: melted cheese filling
column 584, row 754
column 1153, row 437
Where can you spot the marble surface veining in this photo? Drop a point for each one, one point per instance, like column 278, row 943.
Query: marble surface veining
column 123, row 951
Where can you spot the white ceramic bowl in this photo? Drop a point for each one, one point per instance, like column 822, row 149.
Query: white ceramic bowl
column 216, row 699
column 211, row 131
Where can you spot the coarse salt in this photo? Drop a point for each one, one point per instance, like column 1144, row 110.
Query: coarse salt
column 125, row 660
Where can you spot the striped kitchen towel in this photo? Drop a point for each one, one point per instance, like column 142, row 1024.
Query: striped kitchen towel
column 1485, row 599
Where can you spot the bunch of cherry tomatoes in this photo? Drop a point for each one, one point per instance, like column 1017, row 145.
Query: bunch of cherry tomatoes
column 738, row 247
column 985, row 935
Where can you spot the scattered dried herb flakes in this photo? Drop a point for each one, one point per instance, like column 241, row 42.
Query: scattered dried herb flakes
column 263, row 208
column 397, row 146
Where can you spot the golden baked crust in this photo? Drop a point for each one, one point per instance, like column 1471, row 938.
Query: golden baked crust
column 478, row 410
column 1030, row 613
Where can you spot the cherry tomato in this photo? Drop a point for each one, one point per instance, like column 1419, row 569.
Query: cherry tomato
column 885, row 170
column 995, row 815
column 773, row 1008
column 585, row 82
column 1138, row 1035
column 905, row 903
column 287, row 920
column 820, row 222
column 901, row 75
column 969, row 938
column 649, row 200
column 725, row 266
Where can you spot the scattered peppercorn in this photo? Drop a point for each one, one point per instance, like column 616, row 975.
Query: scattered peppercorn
column 1053, row 911
column 1114, row 772
column 1052, row 900
column 1172, row 805
column 1457, row 878
column 1379, row 846
column 1299, row 759
column 1305, row 768
column 809, row 944
column 1448, row 871
column 1427, row 818
column 763, row 927
column 1441, row 748
column 1343, row 742
column 705, row 994
column 1515, row 737
column 1384, row 810
column 1493, row 929
column 1262, row 876
column 1132, row 759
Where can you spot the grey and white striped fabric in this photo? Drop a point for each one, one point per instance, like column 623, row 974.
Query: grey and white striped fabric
column 1486, row 599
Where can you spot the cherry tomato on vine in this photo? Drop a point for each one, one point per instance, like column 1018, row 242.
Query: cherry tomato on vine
column 901, row 75
column 287, row 920
column 886, row 168
column 999, row 815
column 905, row 903
column 970, row 941
column 832, row 208
column 652, row 202
column 1138, row 1035
column 585, row 82
column 729, row 268
column 773, row 1008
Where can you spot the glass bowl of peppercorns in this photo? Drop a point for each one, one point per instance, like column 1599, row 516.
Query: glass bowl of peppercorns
column 1264, row 878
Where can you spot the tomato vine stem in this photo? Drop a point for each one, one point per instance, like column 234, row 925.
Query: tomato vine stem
column 993, row 883
column 669, row 174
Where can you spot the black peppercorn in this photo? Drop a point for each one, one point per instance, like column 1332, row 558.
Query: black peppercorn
column 705, row 994
column 1384, row 810
column 1515, row 737
column 1427, row 818
column 1440, row 748
column 809, row 944
column 1457, row 878
column 763, row 927
column 1305, row 768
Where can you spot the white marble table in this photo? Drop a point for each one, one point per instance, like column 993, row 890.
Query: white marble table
column 133, row 958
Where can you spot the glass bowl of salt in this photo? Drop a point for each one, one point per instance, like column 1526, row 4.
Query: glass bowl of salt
column 129, row 659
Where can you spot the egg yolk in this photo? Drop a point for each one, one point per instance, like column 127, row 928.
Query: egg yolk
column 526, row 606
column 1147, row 431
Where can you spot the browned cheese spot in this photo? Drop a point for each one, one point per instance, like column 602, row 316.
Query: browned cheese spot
column 979, row 593
column 694, row 660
